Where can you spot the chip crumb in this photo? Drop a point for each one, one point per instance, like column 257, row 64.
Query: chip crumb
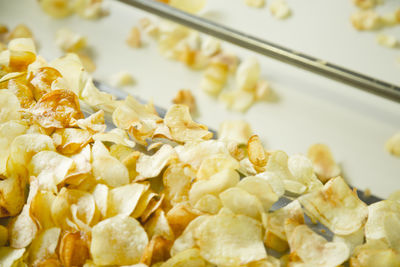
column 387, row 40
column 186, row 97
column 279, row 9
column 255, row 3
column 122, row 78
column 367, row 193
column 134, row 39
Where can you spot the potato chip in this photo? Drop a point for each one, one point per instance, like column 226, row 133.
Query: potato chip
column 185, row 97
column 208, row 204
column 279, row 9
column 71, row 140
column 393, row 145
column 261, row 189
column 179, row 216
column 336, row 206
column 256, row 152
column 9, row 106
column 314, row 250
column 374, row 253
column 302, row 170
column 88, row 9
column 97, row 99
column 158, row 225
column 42, row 81
column 95, row 122
column 384, row 223
column 12, row 196
column 50, row 168
column 22, row 91
column 70, row 41
column 248, row 74
column 177, row 180
column 237, row 100
column 58, row 108
column 109, row 169
column 324, row 164
column 57, row 8
column 214, row 78
column 144, row 205
column 119, row 240
column 157, row 250
column 352, row 240
column 189, row 257
column 116, row 136
column 19, row 57
column 74, row 250
column 363, row 20
column 73, row 208
column 82, row 166
column 151, row 166
column 240, row 201
column 216, row 184
column 182, row 127
column 133, row 39
column 22, row 229
column 40, row 209
column 230, row 240
column 192, row 6
column 214, row 164
column 25, row 44
column 100, row 195
column 9, row 256
column 194, row 153
column 123, row 200
column 154, row 204
column 238, row 131
column 44, row 246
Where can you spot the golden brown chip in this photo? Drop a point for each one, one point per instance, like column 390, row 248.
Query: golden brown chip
column 19, row 60
column 179, row 217
column 71, row 140
column 159, row 225
column 73, row 250
column 156, row 250
column 256, row 152
column 185, row 97
column 58, row 108
column 44, row 246
column 22, row 91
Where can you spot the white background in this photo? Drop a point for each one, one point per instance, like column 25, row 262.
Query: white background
column 310, row 108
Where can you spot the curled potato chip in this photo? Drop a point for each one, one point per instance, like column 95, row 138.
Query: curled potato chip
column 238, row 131
column 336, row 206
column 177, row 180
column 116, row 136
column 22, row 91
column 313, row 249
column 302, row 169
column 71, row 140
column 248, row 74
column 107, row 168
column 42, row 80
column 256, row 152
column 40, row 209
column 158, row 225
column 70, row 41
column 240, row 201
column 73, row 250
column 144, row 205
column 22, row 229
column 157, row 250
column 151, row 166
column 72, row 209
column 50, row 168
column 119, row 240
column 182, row 127
column 9, row 106
column 185, row 97
column 123, row 199
column 324, row 164
column 12, row 196
column 261, row 189
column 374, row 253
column 95, row 122
column 100, row 195
column 179, row 216
column 384, row 223
column 195, row 152
column 81, row 167
column 10, row 256
column 230, row 240
column 58, row 108
column 44, row 246
column 215, row 163
column 216, row 184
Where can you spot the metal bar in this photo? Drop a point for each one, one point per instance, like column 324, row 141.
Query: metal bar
column 306, row 62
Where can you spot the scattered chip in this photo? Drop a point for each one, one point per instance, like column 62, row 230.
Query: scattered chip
column 279, row 9
column 393, row 145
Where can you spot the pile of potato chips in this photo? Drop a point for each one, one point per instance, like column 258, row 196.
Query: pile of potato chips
column 159, row 191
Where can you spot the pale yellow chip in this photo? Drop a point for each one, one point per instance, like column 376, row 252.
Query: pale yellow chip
column 384, row 223
column 324, row 164
column 314, row 250
column 280, row 9
column 303, row 171
column 214, row 164
column 374, row 253
column 256, row 152
column 216, row 184
column 238, row 131
column 44, row 246
column 50, row 168
column 151, row 166
column 40, row 209
column 260, row 188
column 364, row 20
column 100, row 195
column 71, row 140
column 182, row 127
column 12, row 191
column 95, row 122
column 9, row 106
column 352, row 240
column 336, row 206
column 70, row 41
column 208, row 204
column 123, row 200
column 177, row 180
column 119, row 240
column 116, row 136
column 392, row 145
column 158, row 225
column 230, row 240
column 189, row 257
column 22, row 229
column 10, row 256
column 97, row 99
